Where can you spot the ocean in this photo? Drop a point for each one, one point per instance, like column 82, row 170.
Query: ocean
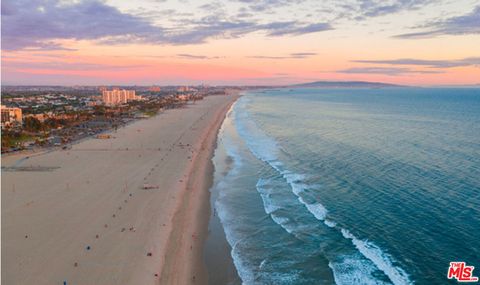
column 350, row 186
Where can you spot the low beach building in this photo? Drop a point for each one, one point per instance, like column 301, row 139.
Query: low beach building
column 10, row 116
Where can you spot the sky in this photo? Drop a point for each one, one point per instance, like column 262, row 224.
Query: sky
column 239, row 42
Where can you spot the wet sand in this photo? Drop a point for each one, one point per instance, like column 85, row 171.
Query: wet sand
column 80, row 216
column 217, row 251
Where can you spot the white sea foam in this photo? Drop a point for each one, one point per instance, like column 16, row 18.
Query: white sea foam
column 243, row 269
column 382, row 260
column 330, row 223
column 271, row 207
column 231, row 148
column 262, row 263
column 295, row 181
column 318, row 210
column 268, row 204
column 352, row 270
column 347, row 270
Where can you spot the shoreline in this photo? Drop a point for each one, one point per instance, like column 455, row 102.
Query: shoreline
column 197, row 271
column 84, row 210
column 217, row 250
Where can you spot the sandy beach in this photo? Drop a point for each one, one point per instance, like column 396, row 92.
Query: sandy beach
column 80, row 215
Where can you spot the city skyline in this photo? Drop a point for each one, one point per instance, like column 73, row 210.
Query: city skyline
column 243, row 42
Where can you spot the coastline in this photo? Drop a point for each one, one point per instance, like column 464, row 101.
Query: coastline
column 106, row 229
column 200, row 178
column 217, row 250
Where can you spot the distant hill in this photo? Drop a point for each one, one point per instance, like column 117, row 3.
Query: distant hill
column 344, row 84
column 458, row 86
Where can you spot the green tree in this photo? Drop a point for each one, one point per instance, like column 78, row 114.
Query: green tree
column 32, row 124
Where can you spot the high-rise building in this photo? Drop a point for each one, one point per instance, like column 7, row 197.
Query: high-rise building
column 10, row 116
column 116, row 96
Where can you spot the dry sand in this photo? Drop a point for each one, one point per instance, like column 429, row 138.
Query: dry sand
column 87, row 220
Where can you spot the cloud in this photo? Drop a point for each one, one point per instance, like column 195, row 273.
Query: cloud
column 268, row 5
column 60, row 65
column 212, row 6
column 268, row 57
column 48, row 46
column 29, row 24
column 214, row 27
column 192, row 56
column 39, row 24
column 211, row 27
column 374, row 8
column 293, row 28
column 460, row 25
column 470, row 61
column 361, row 10
column 164, row 14
column 303, row 54
column 292, row 55
column 391, row 71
